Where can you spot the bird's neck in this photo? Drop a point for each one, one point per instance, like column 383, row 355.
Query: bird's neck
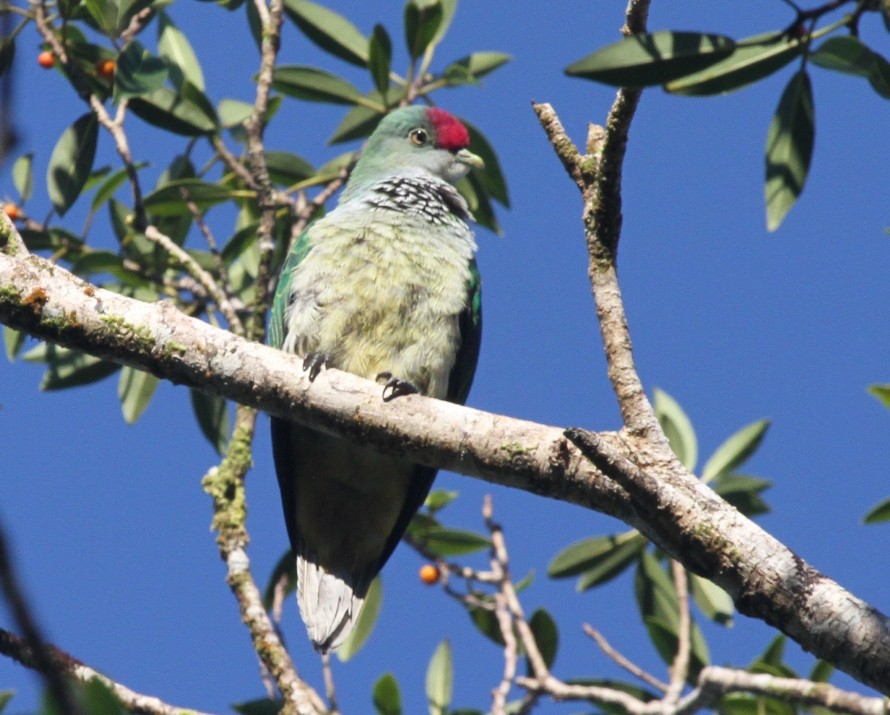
column 424, row 195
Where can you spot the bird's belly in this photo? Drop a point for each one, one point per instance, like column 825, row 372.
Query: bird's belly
column 408, row 336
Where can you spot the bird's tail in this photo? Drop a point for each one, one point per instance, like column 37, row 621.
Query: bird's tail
column 328, row 604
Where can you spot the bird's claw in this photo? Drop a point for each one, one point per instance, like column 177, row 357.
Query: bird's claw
column 396, row 387
column 314, row 362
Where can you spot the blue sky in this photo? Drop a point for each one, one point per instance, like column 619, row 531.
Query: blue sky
column 108, row 524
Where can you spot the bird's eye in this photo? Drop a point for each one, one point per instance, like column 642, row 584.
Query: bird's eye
column 418, row 137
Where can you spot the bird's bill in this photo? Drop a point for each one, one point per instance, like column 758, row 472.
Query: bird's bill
column 474, row 161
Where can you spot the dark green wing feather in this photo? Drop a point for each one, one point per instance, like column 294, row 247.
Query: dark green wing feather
column 278, row 321
column 284, row 431
column 470, row 321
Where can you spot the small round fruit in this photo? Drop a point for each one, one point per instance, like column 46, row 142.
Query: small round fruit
column 429, row 574
column 12, row 211
column 46, row 59
column 105, row 68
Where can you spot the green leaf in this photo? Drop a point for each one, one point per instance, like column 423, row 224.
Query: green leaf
column 422, row 22
column 358, row 123
column 754, row 58
column 487, row 623
column 135, row 389
column 172, row 198
column 110, row 186
column 440, row 679
column 655, row 592
column 845, row 54
column 713, row 601
column 821, row 672
column 69, row 368
column 443, row 541
column 735, row 450
column 177, row 52
column 5, row 697
column 612, row 564
column 882, row 392
column 789, row 148
column 212, row 414
column 744, row 704
column 314, row 85
column 439, row 498
column 848, row 54
column 677, row 428
column 582, row 555
column 23, row 175
column 287, row 169
column 477, row 197
column 233, row 113
column 491, row 177
column 103, row 13
column 99, row 699
column 664, row 638
column 774, row 652
column 469, row 69
column 387, row 698
column 181, row 113
column 448, row 9
column 879, row 78
column 14, row 340
column 652, row 58
column 91, row 263
column 743, row 492
column 546, row 635
column 878, row 513
column 329, row 30
column 71, row 162
column 138, row 72
column 364, row 624
column 7, row 53
column 262, row 706
column 380, row 58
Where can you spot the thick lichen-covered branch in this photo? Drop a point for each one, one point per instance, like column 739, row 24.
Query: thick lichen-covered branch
column 595, row 470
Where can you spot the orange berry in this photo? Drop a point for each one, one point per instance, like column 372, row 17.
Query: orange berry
column 429, row 574
column 105, row 68
column 46, row 59
column 12, row 211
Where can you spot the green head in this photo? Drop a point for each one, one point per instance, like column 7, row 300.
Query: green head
column 415, row 141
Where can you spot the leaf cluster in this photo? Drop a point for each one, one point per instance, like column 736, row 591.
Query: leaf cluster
column 701, row 64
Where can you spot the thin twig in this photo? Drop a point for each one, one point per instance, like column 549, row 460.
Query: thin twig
column 19, row 650
column 271, row 18
column 199, row 274
column 622, row 661
column 330, row 687
column 714, row 681
column 225, row 485
column 680, row 666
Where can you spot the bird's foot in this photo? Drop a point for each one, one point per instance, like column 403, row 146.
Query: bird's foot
column 314, row 362
column 395, row 387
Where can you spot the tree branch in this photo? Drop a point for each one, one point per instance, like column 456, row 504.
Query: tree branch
column 666, row 503
column 20, row 651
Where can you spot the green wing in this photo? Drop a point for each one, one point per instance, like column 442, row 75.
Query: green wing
column 278, row 321
column 470, row 320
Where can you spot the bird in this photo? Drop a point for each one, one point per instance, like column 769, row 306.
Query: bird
column 384, row 286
